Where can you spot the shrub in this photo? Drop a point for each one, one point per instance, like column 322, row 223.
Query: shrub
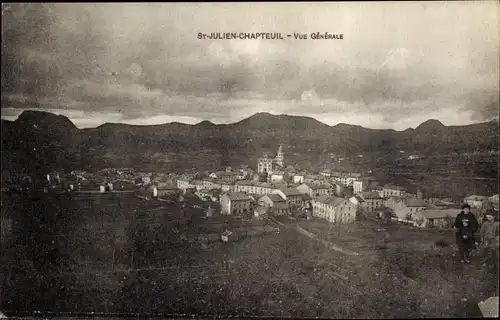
column 441, row 243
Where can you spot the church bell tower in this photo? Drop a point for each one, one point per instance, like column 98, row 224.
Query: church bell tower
column 280, row 157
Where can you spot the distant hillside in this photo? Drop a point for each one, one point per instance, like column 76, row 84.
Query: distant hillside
column 37, row 141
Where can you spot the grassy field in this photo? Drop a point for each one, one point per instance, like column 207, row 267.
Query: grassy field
column 412, row 274
column 443, row 176
column 128, row 256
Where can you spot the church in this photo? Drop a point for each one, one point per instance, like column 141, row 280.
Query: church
column 268, row 165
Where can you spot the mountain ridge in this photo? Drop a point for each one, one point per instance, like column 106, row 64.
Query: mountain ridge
column 257, row 116
column 42, row 141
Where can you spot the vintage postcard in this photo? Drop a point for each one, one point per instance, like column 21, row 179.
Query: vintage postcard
column 251, row 160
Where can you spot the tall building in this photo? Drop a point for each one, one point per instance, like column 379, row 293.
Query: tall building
column 280, row 157
column 267, row 164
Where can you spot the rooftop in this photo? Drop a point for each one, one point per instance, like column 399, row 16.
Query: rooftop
column 291, row 191
column 225, row 173
column 371, row 195
column 259, row 184
column 438, row 213
column 360, row 199
column 238, row 196
column 279, row 172
column 211, row 191
column 316, row 185
column 415, row 203
column 330, row 200
column 275, row 197
column 223, row 182
column 167, row 188
column 393, row 187
column 320, row 186
column 395, row 198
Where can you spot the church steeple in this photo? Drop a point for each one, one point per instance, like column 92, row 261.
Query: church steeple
column 280, row 157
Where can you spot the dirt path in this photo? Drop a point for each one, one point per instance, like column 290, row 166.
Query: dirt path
column 313, row 236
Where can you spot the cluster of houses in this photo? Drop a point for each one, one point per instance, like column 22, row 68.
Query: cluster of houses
column 334, row 202
column 276, row 189
column 102, row 181
column 439, row 213
column 282, row 190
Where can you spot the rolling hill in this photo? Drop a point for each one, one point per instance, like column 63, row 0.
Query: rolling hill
column 38, row 141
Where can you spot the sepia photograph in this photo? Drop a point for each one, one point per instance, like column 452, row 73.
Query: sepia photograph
column 322, row 160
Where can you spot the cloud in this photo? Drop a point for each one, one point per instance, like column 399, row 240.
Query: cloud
column 145, row 61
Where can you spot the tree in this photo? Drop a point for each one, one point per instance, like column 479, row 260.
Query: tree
column 408, row 217
column 419, row 221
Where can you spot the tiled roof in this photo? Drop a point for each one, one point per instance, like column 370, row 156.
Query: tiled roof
column 316, row 186
column 438, row 213
column 370, row 184
column 278, row 173
column 223, row 183
column 360, row 199
column 167, row 188
column 291, row 192
column 371, row 195
column 395, row 198
column 330, row 200
column 393, row 187
column 248, row 182
column 414, row 203
column 275, row 197
column 206, row 191
column 319, row 186
column 238, row 196
column 223, row 173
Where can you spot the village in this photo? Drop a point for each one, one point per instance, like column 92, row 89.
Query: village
column 149, row 172
column 331, row 225
column 275, row 189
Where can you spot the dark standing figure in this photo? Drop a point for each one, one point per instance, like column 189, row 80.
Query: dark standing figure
column 466, row 224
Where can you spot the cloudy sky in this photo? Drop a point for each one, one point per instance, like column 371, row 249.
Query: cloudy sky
column 398, row 64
